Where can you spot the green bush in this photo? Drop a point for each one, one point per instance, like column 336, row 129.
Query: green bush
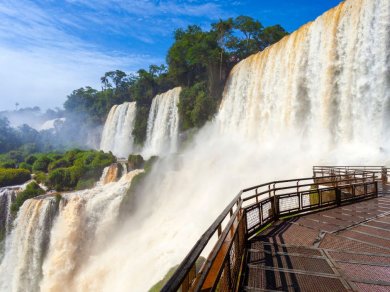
column 135, row 161
column 60, row 163
column 41, row 164
column 31, row 159
column 141, row 124
column 25, row 165
column 85, row 168
column 60, row 179
column 32, row 190
column 40, row 177
column 196, row 106
column 9, row 177
column 8, row 164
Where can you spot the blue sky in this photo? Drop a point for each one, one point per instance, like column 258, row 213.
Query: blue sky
column 50, row 47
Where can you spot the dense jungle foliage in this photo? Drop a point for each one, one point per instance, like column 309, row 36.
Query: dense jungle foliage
column 74, row 169
column 199, row 61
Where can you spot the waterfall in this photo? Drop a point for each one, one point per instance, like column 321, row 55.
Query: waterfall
column 43, row 251
column 25, row 248
column 83, row 228
column 163, row 124
column 7, row 196
column 117, row 133
column 320, row 95
column 112, row 173
column 328, row 81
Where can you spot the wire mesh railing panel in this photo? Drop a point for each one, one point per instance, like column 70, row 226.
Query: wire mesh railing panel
column 310, row 199
column 328, row 196
column 359, row 190
column 371, row 189
column 266, row 211
column 252, row 217
column 288, row 204
column 264, row 204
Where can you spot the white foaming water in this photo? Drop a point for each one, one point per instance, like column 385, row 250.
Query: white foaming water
column 117, row 133
column 329, row 80
column 83, row 228
column 7, row 196
column 25, row 248
column 283, row 110
column 163, row 124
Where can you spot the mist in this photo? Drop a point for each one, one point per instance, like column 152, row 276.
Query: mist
column 297, row 104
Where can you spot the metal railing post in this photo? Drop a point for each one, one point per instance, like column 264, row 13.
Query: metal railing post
column 338, row 196
column 275, row 208
column 384, row 175
column 376, row 188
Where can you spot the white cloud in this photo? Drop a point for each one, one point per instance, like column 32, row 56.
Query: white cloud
column 41, row 63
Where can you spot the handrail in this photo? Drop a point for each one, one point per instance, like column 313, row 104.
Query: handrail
column 186, row 275
column 190, row 260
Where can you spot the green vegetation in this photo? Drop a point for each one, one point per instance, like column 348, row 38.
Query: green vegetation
column 78, row 169
column 135, row 161
column 74, row 169
column 127, row 204
column 160, row 284
column 199, row 61
column 32, row 190
column 10, row 176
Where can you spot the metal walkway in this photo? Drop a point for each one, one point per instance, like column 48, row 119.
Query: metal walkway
column 327, row 232
column 342, row 249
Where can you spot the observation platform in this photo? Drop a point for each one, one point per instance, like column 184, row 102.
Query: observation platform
column 328, row 232
column 341, row 249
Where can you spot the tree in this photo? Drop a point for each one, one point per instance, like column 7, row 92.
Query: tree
column 8, row 136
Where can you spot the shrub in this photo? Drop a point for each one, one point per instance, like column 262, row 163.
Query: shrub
column 59, row 179
column 32, row 190
column 135, row 161
column 8, row 164
column 61, row 163
column 41, row 164
column 196, row 106
column 40, row 177
column 140, row 124
column 25, row 165
column 31, row 159
column 9, row 177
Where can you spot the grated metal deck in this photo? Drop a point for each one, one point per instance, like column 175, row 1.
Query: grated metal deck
column 341, row 249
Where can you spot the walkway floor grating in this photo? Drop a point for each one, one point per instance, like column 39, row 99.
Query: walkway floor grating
column 341, row 249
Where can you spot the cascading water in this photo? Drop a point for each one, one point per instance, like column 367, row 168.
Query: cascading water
column 329, row 80
column 321, row 95
column 163, row 124
column 7, row 196
column 25, row 248
column 84, row 226
column 117, row 133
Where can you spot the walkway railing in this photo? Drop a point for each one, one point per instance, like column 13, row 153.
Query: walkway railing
column 223, row 243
